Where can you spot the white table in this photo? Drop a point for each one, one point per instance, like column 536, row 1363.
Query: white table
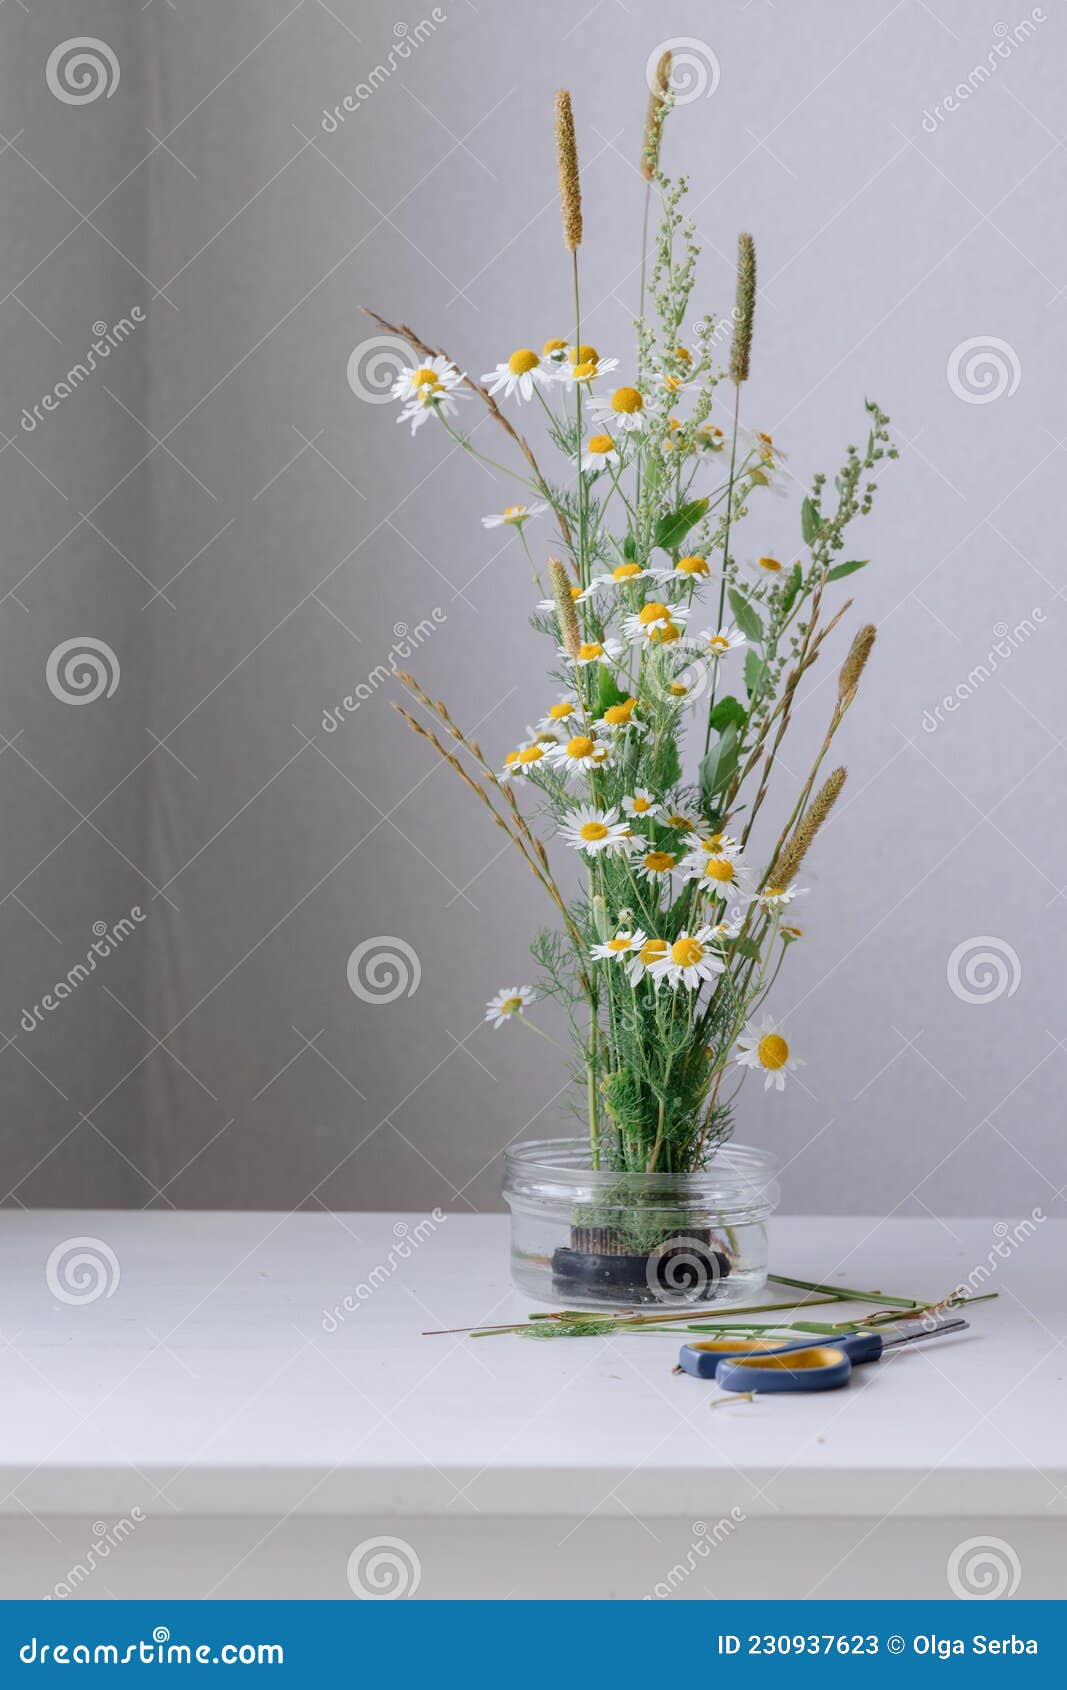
column 203, row 1430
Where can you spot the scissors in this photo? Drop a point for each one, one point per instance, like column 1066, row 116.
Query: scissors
column 768, row 1364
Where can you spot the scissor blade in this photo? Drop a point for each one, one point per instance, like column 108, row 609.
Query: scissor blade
column 928, row 1332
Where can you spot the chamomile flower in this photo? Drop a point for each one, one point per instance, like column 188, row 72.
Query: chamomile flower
column 717, row 844
column 641, row 803
column 691, row 569
column 625, row 410
column 661, row 623
column 767, row 475
column 642, row 960
column 717, row 642
column 709, row 438
column 592, row 831
column 768, row 565
column 776, row 897
column 681, row 823
column 511, row 1001
column 594, row 651
column 657, row 867
column 689, row 962
column 720, row 873
column 436, row 372
column 600, row 449
column 514, row 516
column 621, row 576
column 554, row 352
column 583, row 364
column 620, row 719
column 622, row 945
column 432, row 399
column 766, row 1048
column 518, row 374
column 527, row 760
column 770, row 455
column 721, row 931
column 558, row 715
column 579, row 754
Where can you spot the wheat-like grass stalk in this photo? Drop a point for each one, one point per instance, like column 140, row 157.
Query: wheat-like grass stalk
column 570, row 182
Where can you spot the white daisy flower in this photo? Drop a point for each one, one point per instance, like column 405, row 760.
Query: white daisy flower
column 583, row 364
column 436, row 372
column 625, row 409
column 599, row 450
column 718, row 642
column 767, row 566
column 559, row 714
column 619, row 719
column 661, row 623
column 657, row 867
column 709, row 438
column 554, row 352
column 763, row 445
column 518, row 374
column 620, row 576
column 525, row 761
column 641, row 962
column 592, row 831
column 682, row 823
column 430, row 399
column 716, row 844
column 594, row 651
column 721, row 931
column 512, row 1000
column 766, row 1047
column 579, row 754
column 623, row 944
column 721, row 874
column 640, row 803
column 514, row 516
column 692, row 570
column 689, row 962
column 776, row 897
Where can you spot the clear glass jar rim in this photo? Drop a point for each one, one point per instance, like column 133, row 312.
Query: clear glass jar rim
column 560, row 1160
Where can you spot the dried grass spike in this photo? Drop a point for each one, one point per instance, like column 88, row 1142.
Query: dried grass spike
column 856, row 662
column 566, row 615
column 744, row 309
column 654, row 120
column 570, row 185
column 787, row 867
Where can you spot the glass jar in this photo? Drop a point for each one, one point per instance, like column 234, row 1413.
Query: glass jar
column 586, row 1238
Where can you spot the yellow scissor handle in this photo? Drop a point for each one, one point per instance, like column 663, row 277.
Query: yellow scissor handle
column 737, row 1346
column 819, row 1356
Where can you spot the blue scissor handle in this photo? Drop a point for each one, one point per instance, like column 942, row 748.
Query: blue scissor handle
column 703, row 1357
column 819, row 1367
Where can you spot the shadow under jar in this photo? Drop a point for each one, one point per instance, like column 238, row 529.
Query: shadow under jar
column 585, row 1237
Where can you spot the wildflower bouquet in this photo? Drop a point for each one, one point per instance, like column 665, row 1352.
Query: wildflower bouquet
column 677, row 667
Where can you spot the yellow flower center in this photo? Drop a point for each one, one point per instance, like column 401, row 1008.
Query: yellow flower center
column 770, row 563
column 424, row 378
column 693, row 565
column 679, row 821
column 720, row 869
column 683, row 355
column 600, row 443
column 717, row 643
column 551, row 346
column 511, row 1006
column 627, row 400
column 679, row 689
column 584, row 355
column 590, row 650
column 659, row 862
column 774, row 892
column 621, row 942
column 576, row 592
column 523, row 361
column 514, row 513
column 794, row 932
column 654, row 613
column 618, row 714
column 592, row 831
column 687, row 952
column 673, row 384
column 664, row 632
column 772, row 1050
column 582, row 372
column 560, row 712
column 653, row 948
column 512, row 757
column 641, row 806
column 531, row 754
column 625, row 571
column 580, row 746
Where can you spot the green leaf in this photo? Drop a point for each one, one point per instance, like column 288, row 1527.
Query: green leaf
column 747, row 619
column 792, row 589
column 718, row 767
column 609, row 692
column 755, row 673
column 749, row 948
column 672, row 529
column 840, row 570
column 809, row 521
column 629, row 548
column 728, row 712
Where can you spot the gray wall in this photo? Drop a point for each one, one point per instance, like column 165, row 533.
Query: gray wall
column 220, row 1057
